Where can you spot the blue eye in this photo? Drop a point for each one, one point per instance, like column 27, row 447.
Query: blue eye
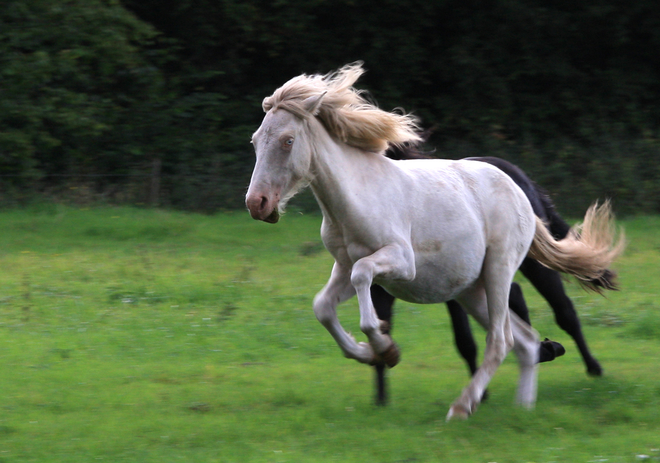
column 288, row 143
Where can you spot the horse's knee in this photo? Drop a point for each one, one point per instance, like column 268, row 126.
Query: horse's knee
column 369, row 327
column 322, row 310
column 361, row 275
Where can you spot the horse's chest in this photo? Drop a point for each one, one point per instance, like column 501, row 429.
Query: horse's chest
column 347, row 247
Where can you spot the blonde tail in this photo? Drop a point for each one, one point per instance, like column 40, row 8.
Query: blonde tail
column 586, row 252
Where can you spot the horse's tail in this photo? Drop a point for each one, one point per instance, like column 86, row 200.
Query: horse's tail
column 586, row 252
column 560, row 229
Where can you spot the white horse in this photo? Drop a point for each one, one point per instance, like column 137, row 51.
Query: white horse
column 428, row 231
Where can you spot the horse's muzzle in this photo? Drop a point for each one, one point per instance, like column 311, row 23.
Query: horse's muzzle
column 262, row 209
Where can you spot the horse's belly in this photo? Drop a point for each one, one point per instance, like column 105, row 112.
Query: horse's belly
column 436, row 281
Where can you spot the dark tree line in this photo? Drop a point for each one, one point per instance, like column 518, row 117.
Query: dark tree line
column 154, row 101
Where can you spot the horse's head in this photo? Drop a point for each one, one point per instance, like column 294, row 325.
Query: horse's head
column 283, row 162
column 301, row 111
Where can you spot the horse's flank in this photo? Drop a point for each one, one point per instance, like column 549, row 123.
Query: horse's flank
column 344, row 111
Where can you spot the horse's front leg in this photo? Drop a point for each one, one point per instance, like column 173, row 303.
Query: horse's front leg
column 391, row 262
column 337, row 290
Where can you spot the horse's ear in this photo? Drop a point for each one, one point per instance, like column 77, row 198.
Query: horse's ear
column 313, row 103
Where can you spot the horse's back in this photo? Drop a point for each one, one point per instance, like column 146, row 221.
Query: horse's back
column 466, row 193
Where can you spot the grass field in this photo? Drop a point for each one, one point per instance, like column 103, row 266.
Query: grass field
column 150, row 336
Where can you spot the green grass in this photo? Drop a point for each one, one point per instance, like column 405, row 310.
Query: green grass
column 152, row 336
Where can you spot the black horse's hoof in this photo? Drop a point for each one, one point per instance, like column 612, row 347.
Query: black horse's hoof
column 594, row 369
column 550, row 350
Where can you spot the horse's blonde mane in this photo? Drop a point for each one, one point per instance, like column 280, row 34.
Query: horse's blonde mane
column 344, row 111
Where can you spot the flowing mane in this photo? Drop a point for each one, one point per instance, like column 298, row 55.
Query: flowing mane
column 344, row 111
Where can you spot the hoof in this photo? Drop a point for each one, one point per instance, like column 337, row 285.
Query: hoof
column 594, row 369
column 458, row 412
column 389, row 356
column 550, row 350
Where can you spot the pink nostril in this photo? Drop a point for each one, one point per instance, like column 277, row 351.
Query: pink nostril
column 258, row 206
column 263, row 206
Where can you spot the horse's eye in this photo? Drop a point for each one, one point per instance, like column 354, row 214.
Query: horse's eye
column 288, row 143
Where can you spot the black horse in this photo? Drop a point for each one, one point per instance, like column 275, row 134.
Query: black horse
column 547, row 282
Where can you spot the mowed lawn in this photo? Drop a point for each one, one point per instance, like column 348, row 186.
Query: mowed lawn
column 155, row 336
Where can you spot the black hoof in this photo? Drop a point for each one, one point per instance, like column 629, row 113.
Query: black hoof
column 594, row 369
column 550, row 350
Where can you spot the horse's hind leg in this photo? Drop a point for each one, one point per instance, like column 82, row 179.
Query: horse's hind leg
column 526, row 348
column 475, row 303
column 548, row 283
column 464, row 339
column 489, row 304
column 383, row 303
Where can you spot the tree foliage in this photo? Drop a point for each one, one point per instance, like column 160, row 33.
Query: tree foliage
column 568, row 90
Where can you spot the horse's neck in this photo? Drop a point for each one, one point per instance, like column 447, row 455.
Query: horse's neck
column 341, row 175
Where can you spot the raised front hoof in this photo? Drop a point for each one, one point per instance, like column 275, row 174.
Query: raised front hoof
column 458, row 412
column 550, row 350
column 389, row 356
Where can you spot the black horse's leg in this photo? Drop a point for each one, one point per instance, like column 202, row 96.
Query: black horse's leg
column 383, row 302
column 463, row 338
column 548, row 283
column 517, row 302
